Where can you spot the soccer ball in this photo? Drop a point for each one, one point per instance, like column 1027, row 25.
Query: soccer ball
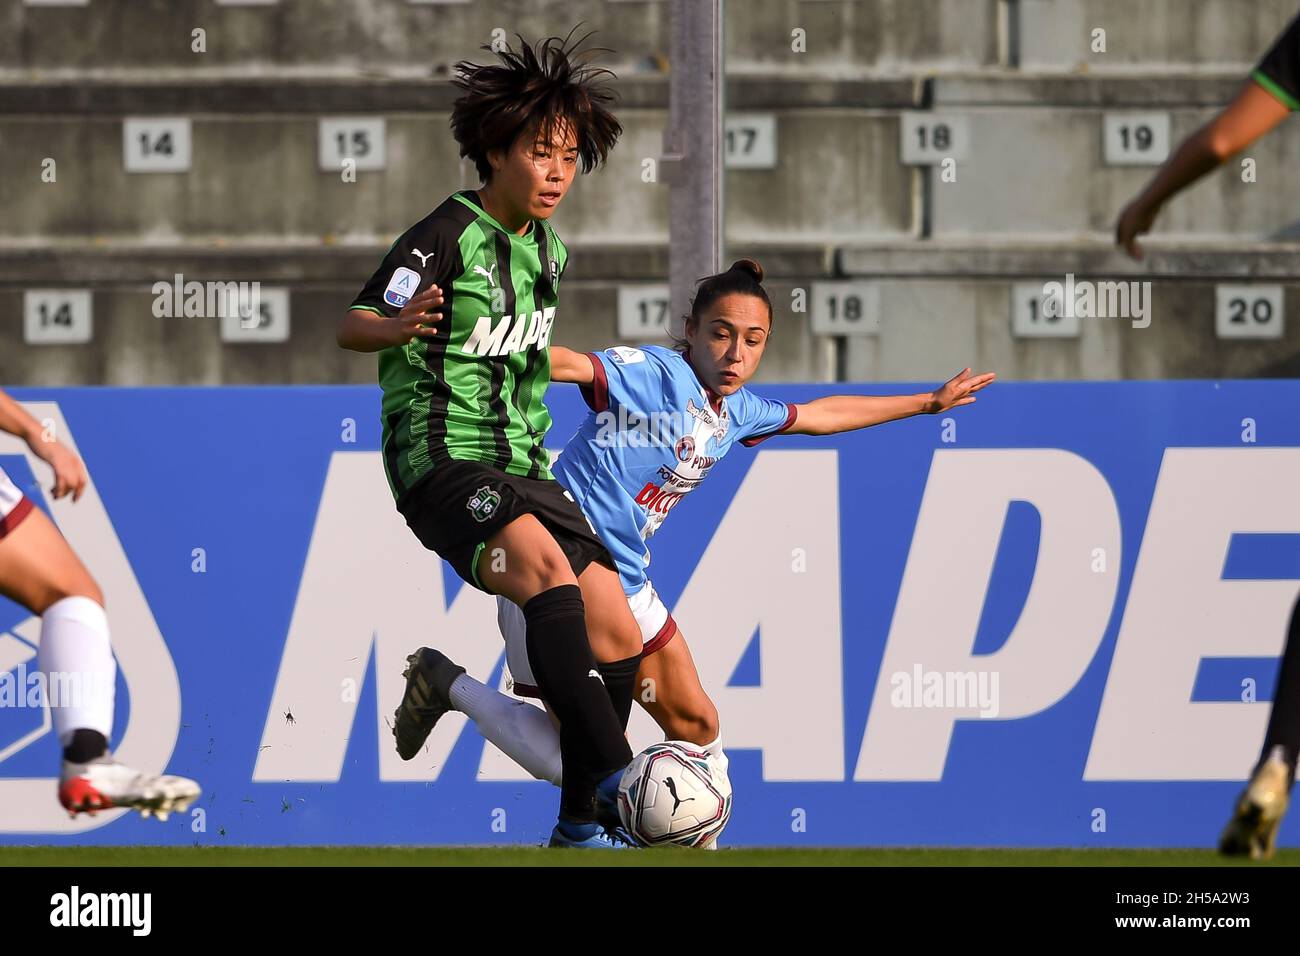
column 674, row 793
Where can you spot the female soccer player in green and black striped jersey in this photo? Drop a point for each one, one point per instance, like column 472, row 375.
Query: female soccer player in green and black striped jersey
column 1271, row 95
column 463, row 419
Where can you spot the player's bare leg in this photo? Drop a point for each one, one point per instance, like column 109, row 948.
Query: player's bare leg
column 668, row 687
column 41, row 572
column 38, row 568
column 611, row 628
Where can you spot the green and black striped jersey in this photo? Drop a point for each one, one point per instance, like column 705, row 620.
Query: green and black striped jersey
column 474, row 391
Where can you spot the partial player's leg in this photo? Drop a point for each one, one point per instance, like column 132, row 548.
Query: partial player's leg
column 670, row 691
column 41, row 572
column 526, row 734
column 37, row 567
column 539, row 578
column 668, row 687
column 1282, row 739
column 1252, row 831
column 534, row 566
column 518, row 556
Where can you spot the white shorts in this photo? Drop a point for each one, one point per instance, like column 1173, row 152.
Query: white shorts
column 656, row 624
column 14, row 505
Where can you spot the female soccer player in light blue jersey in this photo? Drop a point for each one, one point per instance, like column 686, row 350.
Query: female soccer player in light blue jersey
column 689, row 408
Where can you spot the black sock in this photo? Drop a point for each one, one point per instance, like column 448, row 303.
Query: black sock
column 85, row 746
column 620, row 684
column 592, row 745
column 1284, row 719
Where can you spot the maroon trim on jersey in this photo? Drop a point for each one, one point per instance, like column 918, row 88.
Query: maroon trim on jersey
column 15, row 517
column 791, row 415
column 715, row 400
column 596, row 395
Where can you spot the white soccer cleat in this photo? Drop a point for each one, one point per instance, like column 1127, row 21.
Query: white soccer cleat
column 103, row 784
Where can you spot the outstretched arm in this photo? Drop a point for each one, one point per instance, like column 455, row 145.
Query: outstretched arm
column 845, row 413
column 1252, row 114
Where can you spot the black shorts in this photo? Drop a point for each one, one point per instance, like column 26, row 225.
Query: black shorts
column 455, row 508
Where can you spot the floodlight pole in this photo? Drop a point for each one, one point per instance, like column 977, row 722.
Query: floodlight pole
column 692, row 160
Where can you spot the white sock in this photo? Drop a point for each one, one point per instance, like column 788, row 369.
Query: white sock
column 523, row 732
column 77, row 660
column 714, row 750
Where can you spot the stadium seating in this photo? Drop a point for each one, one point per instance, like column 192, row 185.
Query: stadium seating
column 1035, row 195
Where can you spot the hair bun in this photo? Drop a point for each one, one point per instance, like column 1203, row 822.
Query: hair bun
column 750, row 266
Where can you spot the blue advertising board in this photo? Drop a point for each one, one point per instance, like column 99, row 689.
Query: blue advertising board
column 1048, row 619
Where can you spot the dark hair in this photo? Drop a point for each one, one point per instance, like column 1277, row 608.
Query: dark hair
column 745, row 277
column 534, row 88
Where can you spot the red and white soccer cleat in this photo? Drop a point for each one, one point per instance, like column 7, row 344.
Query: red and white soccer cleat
column 103, row 784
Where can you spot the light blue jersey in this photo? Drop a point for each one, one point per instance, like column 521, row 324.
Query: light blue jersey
column 651, row 437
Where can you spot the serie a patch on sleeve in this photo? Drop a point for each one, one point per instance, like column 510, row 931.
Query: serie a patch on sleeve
column 624, row 355
column 401, row 287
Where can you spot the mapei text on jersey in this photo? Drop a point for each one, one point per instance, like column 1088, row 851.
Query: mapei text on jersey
column 511, row 334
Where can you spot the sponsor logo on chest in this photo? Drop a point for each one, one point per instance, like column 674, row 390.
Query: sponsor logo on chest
column 510, row 333
column 719, row 421
column 684, row 474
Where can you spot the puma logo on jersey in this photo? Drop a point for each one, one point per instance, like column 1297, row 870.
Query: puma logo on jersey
column 479, row 270
column 424, row 259
column 596, row 674
column 511, row 334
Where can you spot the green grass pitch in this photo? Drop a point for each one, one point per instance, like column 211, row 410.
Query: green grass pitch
column 533, row 856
